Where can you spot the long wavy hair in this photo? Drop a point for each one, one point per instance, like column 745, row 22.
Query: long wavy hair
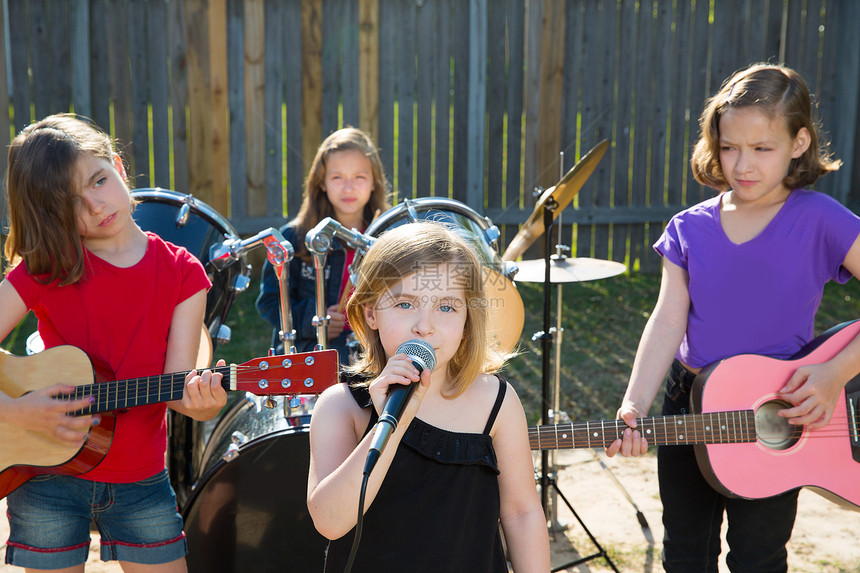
column 42, row 192
column 400, row 253
column 315, row 203
column 779, row 92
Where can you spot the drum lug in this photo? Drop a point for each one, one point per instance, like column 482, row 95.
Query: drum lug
column 240, row 283
column 220, row 332
column 410, row 210
column 236, row 441
column 492, row 233
column 184, row 211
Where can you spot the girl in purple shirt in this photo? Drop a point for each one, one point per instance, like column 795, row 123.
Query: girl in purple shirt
column 743, row 273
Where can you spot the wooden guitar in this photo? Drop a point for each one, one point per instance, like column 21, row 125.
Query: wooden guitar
column 25, row 454
column 743, row 447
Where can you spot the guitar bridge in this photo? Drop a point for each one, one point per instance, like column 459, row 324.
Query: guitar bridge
column 852, row 402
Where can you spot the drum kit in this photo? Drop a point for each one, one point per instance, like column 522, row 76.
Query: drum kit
column 241, row 479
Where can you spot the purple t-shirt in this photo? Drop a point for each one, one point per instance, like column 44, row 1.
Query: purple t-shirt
column 759, row 297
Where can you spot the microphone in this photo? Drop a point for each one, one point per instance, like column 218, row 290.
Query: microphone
column 423, row 358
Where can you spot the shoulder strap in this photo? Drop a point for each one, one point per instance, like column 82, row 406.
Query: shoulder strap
column 500, row 397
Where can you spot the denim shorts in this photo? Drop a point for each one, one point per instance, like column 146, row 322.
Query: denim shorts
column 50, row 518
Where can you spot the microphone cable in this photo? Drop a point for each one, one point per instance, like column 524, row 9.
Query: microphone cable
column 423, row 357
column 358, row 524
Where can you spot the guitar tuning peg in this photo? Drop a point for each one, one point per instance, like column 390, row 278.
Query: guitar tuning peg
column 269, row 403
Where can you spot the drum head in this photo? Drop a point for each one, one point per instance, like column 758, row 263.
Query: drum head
column 505, row 311
column 250, row 514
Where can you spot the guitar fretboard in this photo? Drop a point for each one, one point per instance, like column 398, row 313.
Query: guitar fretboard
column 711, row 428
column 121, row 394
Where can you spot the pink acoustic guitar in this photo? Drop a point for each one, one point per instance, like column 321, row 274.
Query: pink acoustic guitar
column 25, row 455
column 743, row 447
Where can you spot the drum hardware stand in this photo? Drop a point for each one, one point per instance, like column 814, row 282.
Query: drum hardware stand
column 548, row 413
column 318, row 242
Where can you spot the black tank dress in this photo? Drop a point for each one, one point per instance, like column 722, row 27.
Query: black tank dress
column 438, row 507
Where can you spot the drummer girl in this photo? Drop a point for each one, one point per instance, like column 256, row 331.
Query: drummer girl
column 135, row 305
column 459, row 461
column 346, row 182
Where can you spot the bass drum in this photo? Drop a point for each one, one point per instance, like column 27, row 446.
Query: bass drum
column 506, row 314
column 188, row 222
column 248, row 510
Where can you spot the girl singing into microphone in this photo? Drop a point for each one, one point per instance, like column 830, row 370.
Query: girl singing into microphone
column 459, row 461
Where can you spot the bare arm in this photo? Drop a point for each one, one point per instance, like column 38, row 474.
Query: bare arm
column 814, row 389
column 203, row 396
column 522, row 517
column 38, row 411
column 338, row 451
column 660, row 340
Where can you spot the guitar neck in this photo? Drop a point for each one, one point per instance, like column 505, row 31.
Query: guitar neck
column 121, row 394
column 712, row 428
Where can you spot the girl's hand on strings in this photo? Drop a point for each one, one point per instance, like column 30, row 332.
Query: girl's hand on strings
column 813, row 390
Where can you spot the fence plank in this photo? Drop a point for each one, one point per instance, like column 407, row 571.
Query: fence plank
column 176, row 31
column 294, row 101
column 120, row 77
column 5, row 120
column 368, row 67
column 460, row 27
column 139, row 95
column 514, row 104
column 157, row 77
column 58, row 17
column 349, row 54
column 425, row 65
column 332, row 14
column 385, row 118
column 312, row 48
column 79, row 56
column 442, row 98
column 236, row 95
column 255, row 106
column 219, row 138
column 405, row 66
column 274, row 96
column 496, row 84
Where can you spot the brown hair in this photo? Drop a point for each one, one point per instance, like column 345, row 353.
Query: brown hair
column 777, row 91
column 315, row 203
column 42, row 191
column 401, row 252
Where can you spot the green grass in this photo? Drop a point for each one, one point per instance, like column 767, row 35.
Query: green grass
column 601, row 322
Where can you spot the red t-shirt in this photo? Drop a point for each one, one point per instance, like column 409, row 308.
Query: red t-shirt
column 121, row 318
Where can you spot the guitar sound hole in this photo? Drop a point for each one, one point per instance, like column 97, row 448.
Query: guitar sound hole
column 772, row 430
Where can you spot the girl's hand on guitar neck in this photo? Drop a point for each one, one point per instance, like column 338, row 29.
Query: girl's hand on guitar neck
column 40, row 411
column 204, row 396
column 631, row 443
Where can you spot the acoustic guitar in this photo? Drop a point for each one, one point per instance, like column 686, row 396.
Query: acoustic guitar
column 743, row 447
column 26, row 454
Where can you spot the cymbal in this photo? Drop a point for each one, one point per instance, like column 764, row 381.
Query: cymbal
column 567, row 270
column 562, row 193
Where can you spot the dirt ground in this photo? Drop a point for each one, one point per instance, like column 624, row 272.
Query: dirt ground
column 609, row 502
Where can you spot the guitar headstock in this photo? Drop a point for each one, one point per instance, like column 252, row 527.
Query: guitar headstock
column 300, row 373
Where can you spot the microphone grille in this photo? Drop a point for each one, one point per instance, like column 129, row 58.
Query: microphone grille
column 419, row 350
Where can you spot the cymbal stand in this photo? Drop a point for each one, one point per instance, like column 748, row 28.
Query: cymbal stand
column 547, row 413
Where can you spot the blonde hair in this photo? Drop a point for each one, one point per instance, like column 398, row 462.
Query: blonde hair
column 400, row 253
column 316, row 205
column 42, row 193
column 777, row 91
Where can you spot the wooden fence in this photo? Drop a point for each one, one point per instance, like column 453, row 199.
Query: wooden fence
column 478, row 100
